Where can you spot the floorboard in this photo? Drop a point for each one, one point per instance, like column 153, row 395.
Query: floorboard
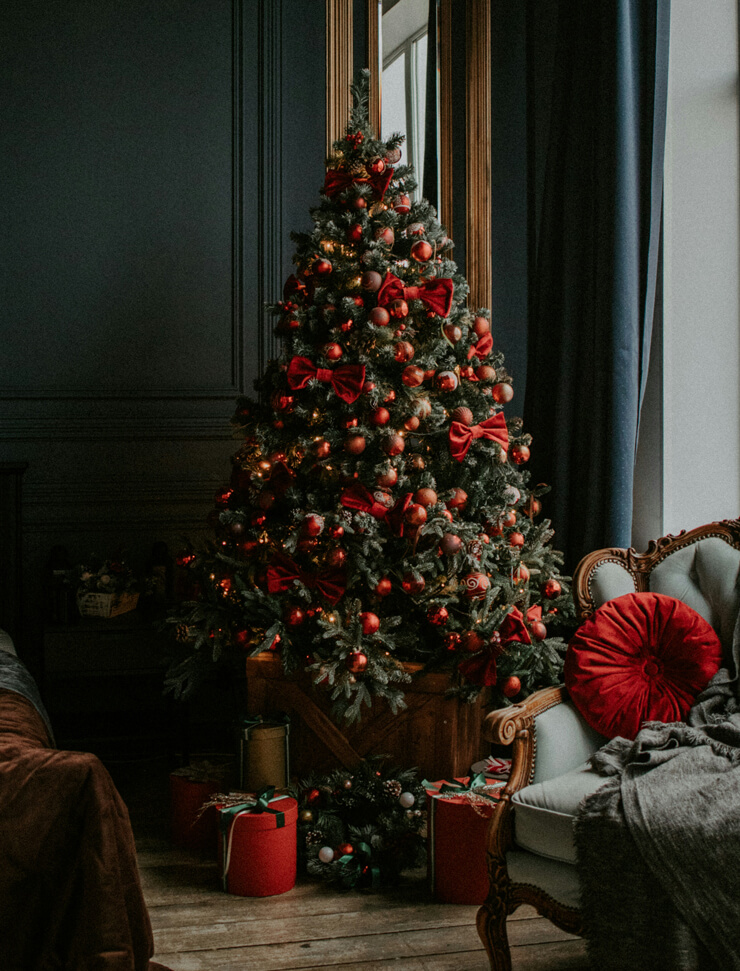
column 197, row 927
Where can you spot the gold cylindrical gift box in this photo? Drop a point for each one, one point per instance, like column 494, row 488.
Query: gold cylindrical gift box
column 263, row 756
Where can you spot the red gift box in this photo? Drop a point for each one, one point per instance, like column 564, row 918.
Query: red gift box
column 456, row 844
column 258, row 846
column 189, row 831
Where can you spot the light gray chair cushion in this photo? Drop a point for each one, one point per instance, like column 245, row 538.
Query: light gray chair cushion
column 6, row 643
column 545, row 811
column 558, row 879
column 564, row 741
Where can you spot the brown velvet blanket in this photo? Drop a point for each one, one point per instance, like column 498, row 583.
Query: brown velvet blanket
column 70, row 894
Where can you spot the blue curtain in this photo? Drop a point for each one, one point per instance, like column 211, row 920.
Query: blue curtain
column 594, row 285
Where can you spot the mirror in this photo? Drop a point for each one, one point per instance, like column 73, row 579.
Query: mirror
column 394, row 65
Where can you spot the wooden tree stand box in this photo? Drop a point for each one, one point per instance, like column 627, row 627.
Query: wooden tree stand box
column 440, row 736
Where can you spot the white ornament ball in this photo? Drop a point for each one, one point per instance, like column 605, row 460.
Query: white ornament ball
column 407, row 799
column 326, row 854
column 512, row 495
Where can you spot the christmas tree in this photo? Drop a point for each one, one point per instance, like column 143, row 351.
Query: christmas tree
column 379, row 510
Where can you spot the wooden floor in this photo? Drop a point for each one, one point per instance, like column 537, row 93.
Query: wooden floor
column 197, row 927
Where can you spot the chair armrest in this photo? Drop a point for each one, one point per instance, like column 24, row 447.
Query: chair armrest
column 515, row 726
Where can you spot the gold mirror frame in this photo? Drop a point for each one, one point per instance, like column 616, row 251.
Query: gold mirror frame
column 339, row 76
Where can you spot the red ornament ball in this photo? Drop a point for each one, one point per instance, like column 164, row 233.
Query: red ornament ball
column 551, row 589
column 421, row 251
column 412, row 376
column 511, row 686
column 538, row 630
column 447, row 381
column 370, row 622
column 471, row 641
column 380, row 317
column 322, row 267
column 532, row 507
column 242, row 637
column 516, row 539
column 354, row 233
column 355, row 444
column 377, row 165
column 521, row 574
column 294, row 616
column 452, row 332
column 403, row 351
column 519, row 454
column 383, row 587
column 332, row 351
column 412, row 584
column 475, row 585
column 484, row 372
column 450, row 544
column 394, row 445
column 387, row 478
column 398, row 309
column 425, row 496
column 502, row 393
column 336, row 532
column 402, row 204
column 451, row 641
column 336, row 558
column 359, row 202
column 356, row 662
column 385, row 235
column 381, row 416
column 345, row 849
column 313, row 796
column 463, row 415
column 438, row 616
column 508, row 518
column 312, row 525
column 411, row 423
column 323, row 449
column 481, row 326
column 390, row 397
column 423, row 408
column 371, row 280
column 458, row 500
column 393, row 155
column 416, row 514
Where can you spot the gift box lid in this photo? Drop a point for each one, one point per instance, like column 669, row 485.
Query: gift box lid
column 248, row 816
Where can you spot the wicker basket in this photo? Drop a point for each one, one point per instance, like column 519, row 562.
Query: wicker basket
column 106, row 604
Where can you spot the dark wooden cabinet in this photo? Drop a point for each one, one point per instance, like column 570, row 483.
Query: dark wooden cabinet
column 103, row 685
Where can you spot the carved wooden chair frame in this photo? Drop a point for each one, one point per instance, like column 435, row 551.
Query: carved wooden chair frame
column 515, row 726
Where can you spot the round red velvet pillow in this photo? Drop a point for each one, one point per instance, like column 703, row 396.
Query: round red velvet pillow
column 641, row 657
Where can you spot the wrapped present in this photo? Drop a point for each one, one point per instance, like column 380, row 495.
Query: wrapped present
column 459, row 811
column 258, row 844
column 263, row 752
column 190, row 788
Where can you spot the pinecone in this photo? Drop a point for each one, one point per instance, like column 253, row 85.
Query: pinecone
column 392, row 788
column 314, row 837
column 182, row 633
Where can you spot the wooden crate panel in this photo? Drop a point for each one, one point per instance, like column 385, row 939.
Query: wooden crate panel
column 440, row 736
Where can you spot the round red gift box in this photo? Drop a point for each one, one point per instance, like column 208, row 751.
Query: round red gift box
column 261, row 855
column 190, row 831
column 457, row 835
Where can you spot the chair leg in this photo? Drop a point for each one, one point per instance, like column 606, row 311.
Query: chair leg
column 491, row 920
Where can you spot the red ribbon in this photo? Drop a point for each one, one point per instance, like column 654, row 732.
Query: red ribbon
column 482, row 349
column 346, row 380
column 361, row 499
column 481, row 668
column 337, row 181
column 283, row 572
column 461, row 436
column 513, row 627
column 435, row 294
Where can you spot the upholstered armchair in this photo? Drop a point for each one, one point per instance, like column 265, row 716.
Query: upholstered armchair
column 531, row 851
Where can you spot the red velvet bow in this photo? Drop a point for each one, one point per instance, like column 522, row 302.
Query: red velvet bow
column 435, row 294
column 513, row 627
column 482, row 349
column 358, row 497
column 283, row 572
column 346, row 380
column 461, row 436
column 480, row 669
column 337, row 181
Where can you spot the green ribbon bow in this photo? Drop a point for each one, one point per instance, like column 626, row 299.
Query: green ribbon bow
column 229, row 814
column 359, row 864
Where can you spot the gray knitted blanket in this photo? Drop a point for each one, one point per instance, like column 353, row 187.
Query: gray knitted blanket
column 15, row 676
column 658, row 845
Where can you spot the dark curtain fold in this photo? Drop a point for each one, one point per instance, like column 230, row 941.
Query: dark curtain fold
column 597, row 265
